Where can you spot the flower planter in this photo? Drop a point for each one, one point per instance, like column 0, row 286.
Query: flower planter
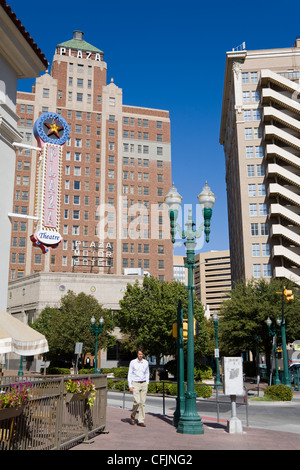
column 70, row 397
column 8, row 413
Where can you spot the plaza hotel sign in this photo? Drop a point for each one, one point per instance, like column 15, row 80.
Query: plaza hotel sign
column 51, row 132
column 80, row 54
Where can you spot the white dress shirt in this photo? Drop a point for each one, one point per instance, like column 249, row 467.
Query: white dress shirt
column 138, row 371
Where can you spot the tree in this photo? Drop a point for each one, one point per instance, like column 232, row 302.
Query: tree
column 147, row 313
column 243, row 317
column 71, row 323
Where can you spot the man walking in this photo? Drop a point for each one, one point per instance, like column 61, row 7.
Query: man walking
column 138, row 380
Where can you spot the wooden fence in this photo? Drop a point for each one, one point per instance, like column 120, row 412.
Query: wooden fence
column 52, row 419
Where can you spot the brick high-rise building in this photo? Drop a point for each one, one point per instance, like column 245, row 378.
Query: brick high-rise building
column 260, row 133
column 116, row 171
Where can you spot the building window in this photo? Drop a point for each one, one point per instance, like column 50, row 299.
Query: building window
column 248, row 133
column 257, row 133
column 246, row 96
column 267, row 270
column 256, row 115
column 37, row 259
column 21, row 258
column 253, row 210
column 46, row 92
column 254, row 230
column 255, row 96
column 263, row 209
column 247, row 115
column 249, row 152
column 260, row 171
column 261, row 190
column 255, row 249
column 264, row 229
column 251, row 190
column 245, row 77
column 161, row 264
column 250, row 170
column 256, row 270
column 254, row 77
column 259, row 152
column 265, row 249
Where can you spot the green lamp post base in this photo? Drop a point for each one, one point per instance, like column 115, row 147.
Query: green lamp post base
column 180, row 405
column 190, row 422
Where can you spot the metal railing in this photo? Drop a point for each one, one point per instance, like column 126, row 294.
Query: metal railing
column 217, row 398
column 52, row 419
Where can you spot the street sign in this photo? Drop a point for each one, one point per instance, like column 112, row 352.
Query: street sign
column 78, row 348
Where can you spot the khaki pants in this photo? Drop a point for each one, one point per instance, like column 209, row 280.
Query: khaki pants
column 139, row 400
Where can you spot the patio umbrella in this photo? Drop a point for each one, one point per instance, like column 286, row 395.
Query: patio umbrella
column 17, row 337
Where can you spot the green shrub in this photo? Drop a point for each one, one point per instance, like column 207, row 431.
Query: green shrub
column 86, row 371
column 120, row 372
column 110, row 384
column 58, row 371
column 202, row 372
column 152, row 387
column 279, row 392
column 120, row 385
column 172, row 389
column 203, row 390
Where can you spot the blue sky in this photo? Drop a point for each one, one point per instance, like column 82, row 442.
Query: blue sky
column 170, row 54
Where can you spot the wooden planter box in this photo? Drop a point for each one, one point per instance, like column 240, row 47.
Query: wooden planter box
column 8, row 413
column 76, row 396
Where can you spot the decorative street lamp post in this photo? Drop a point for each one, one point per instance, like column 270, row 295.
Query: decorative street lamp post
column 96, row 330
column 288, row 296
column 273, row 333
column 190, row 422
column 218, row 384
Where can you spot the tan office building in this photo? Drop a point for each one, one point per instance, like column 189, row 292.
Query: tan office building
column 212, row 277
column 260, row 133
column 116, row 171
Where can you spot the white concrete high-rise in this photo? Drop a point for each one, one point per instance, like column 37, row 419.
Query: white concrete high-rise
column 260, row 133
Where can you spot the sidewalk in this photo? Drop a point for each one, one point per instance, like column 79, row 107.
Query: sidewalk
column 160, row 434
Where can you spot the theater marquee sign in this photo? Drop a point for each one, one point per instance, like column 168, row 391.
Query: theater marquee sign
column 51, row 131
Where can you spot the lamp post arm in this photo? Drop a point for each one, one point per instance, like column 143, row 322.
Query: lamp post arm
column 198, row 232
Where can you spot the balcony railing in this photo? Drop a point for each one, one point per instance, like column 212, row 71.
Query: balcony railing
column 52, row 419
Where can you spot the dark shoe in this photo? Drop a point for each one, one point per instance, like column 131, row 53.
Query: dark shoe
column 143, row 425
column 132, row 421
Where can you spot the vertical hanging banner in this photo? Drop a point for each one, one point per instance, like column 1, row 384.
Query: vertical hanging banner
column 51, row 132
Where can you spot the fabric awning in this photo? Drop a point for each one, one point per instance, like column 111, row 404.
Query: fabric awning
column 17, row 337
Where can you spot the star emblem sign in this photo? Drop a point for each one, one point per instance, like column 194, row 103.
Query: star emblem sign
column 53, row 128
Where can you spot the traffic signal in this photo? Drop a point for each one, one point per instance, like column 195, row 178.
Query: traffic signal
column 185, row 329
column 288, row 294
